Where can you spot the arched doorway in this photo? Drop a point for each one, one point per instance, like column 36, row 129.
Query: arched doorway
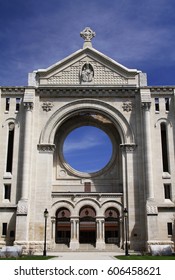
column 63, row 226
column 87, row 232
column 112, row 226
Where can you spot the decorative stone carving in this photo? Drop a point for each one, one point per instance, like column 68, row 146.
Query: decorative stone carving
column 151, row 209
column 46, row 147
column 87, row 34
column 99, row 74
column 22, row 207
column 127, row 106
column 28, row 106
column 62, row 173
column 87, row 73
column 146, row 106
column 128, row 147
column 47, row 106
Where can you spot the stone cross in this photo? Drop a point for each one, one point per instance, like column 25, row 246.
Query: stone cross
column 87, row 34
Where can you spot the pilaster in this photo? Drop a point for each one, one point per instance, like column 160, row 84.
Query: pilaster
column 74, row 242
column 22, row 207
column 146, row 105
column 100, row 242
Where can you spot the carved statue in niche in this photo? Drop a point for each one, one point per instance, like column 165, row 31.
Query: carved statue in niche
column 87, row 73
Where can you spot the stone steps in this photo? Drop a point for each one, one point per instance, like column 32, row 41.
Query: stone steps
column 87, row 248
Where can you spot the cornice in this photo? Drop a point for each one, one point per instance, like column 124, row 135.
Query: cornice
column 12, row 90
column 87, row 91
column 82, row 194
column 159, row 89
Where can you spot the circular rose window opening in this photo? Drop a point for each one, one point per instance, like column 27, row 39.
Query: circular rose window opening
column 87, row 149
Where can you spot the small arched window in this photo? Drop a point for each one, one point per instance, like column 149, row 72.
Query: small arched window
column 164, row 143
column 10, row 147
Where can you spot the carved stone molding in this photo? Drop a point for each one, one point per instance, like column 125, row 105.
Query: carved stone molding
column 146, row 106
column 22, row 208
column 28, row 106
column 84, row 91
column 128, row 147
column 47, row 106
column 151, row 209
column 45, row 148
column 127, row 106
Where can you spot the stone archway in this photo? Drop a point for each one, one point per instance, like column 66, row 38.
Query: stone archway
column 63, row 226
column 67, row 111
column 87, row 225
column 112, row 226
column 69, row 183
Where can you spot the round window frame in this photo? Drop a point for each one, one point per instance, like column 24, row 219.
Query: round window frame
column 75, row 172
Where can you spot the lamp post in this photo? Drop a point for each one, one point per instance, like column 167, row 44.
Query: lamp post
column 125, row 211
column 46, row 213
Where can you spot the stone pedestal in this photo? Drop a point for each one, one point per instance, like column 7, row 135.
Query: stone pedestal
column 74, row 245
column 152, row 223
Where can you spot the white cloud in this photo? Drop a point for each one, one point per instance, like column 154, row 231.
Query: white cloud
column 84, row 143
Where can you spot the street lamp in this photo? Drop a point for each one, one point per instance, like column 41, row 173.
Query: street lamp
column 125, row 212
column 46, row 213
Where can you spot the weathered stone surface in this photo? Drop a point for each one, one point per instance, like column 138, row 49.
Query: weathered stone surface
column 11, row 251
column 161, row 250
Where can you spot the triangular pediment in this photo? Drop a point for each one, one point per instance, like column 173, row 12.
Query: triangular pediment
column 87, row 67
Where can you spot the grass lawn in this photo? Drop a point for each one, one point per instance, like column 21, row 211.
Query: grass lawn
column 146, row 257
column 34, row 258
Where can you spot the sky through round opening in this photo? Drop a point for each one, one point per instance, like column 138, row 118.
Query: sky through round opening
column 87, row 149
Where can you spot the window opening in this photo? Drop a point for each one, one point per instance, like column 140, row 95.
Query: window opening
column 10, row 147
column 167, row 191
column 4, row 229
column 157, row 104
column 164, row 147
column 18, row 101
column 7, row 105
column 170, row 228
column 87, row 186
column 87, row 149
column 7, row 191
column 167, row 104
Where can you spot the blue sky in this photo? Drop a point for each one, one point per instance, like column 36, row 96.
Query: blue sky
column 37, row 33
column 87, row 149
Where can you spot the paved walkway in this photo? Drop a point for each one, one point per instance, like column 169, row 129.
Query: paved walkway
column 84, row 255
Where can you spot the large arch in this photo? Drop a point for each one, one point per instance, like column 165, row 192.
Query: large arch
column 69, row 110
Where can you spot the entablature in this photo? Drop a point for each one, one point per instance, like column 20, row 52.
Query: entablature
column 87, row 91
column 12, row 90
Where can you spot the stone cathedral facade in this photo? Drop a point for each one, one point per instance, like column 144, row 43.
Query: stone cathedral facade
column 87, row 88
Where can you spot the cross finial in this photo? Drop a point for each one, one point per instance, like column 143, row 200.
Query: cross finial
column 87, row 34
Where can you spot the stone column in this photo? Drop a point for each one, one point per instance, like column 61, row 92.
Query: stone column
column 151, row 207
column 75, row 230
column 28, row 106
column 22, row 208
column 148, row 150
column 53, row 221
column 74, row 242
column 128, row 185
column 78, row 229
column 100, row 242
column 146, row 105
